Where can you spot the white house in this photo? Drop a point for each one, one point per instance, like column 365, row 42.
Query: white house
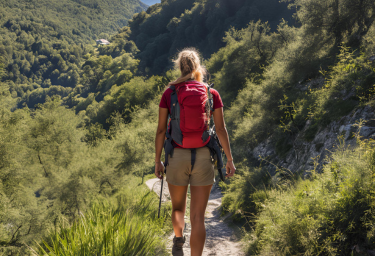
column 102, row 42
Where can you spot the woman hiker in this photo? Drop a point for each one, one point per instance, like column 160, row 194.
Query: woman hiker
column 191, row 161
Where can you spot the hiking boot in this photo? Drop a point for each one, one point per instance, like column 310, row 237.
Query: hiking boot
column 178, row 242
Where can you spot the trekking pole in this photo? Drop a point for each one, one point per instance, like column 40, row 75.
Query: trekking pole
column 161, row 193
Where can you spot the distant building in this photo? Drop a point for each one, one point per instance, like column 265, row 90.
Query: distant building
column 102, row 42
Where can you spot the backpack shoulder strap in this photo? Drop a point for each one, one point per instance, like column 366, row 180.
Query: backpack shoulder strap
column 174, row 102
column 176, row 133
column 210, row 97
column 173, row 88
column 168, row 145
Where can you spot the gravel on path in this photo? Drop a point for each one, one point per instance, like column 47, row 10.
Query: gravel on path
column 221, row 240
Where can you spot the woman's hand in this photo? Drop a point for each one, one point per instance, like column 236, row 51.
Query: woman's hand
column 159, row 170
column 230, row 169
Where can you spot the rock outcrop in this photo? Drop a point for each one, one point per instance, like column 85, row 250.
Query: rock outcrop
column 304, row 156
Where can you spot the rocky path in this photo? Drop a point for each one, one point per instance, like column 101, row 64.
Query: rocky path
column 221, row 239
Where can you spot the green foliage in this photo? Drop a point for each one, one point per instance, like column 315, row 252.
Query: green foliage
column 276, row 78
column 344, row 20
column 48, row 172
column 38, row 155
column 100, row 73
column 368, row 43
column 283, row 95
column 44, row 43
column 247, row 51
column 80, row 20
column 173, row 25
column 129, row 227
column 325, row 215
column 120, row 44
column 347, row 83
column 136, row 140
column 277, row 101
column 255, row 113
column 245, row 192
column 127, row 98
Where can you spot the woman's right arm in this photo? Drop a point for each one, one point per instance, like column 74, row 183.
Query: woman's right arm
column 159, row 141
column 222, row 133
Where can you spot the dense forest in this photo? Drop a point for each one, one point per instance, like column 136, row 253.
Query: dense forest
column 78, row 120
column 44, row 43
column 165, row 28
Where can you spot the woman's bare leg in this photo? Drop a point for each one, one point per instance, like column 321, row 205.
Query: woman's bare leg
column 199, row 198
column 178, row 197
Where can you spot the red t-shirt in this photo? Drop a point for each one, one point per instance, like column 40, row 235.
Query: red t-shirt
column 165, row 101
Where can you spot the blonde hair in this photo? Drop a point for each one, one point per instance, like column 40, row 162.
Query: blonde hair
column 188, row 62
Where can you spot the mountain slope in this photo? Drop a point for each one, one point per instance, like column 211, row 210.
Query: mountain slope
column 42, row 43
column 74, row 19
column 173, row 25
column 287, row 91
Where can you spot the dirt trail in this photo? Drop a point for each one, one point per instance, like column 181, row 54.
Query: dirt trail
column 221, row 239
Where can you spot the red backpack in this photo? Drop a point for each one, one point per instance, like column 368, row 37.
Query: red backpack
column 189, row 120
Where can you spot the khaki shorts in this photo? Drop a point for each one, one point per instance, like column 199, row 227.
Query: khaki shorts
column 179, row 171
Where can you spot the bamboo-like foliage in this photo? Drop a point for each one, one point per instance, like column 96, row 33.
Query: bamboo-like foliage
column 110, row 230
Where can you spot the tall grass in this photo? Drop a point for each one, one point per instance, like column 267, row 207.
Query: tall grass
column 126, row 228
column 332, row 213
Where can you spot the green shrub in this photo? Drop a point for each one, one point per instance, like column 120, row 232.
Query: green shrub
column 130, row 227
column 53, row 167
column 369, row 41
column 327, row 214
column 245, row 191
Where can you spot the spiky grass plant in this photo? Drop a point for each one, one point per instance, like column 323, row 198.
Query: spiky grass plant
column 109, row 230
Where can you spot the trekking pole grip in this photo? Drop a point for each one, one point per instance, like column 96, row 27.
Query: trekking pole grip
column 161, row 190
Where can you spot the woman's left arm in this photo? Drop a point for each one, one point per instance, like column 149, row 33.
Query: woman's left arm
column 222, row 133
column 159, row 141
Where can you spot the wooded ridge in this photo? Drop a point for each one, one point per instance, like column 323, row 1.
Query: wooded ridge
column 78, row 121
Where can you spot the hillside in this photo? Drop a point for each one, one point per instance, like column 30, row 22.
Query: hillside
column 165, row 28
column 79, row 20
column 78, row 125
column 44, row 43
